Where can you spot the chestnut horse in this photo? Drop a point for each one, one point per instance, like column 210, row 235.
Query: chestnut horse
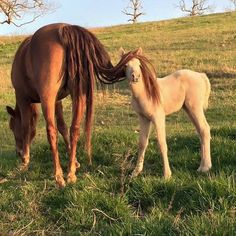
column 155, row 98
column 58, row 60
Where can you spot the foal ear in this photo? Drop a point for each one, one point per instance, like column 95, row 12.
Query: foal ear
column 121, row 51
column 139, row 51
column 10, row 111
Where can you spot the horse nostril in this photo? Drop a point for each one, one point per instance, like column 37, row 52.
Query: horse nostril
column 19, row 152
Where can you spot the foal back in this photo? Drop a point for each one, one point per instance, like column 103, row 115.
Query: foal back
column 184, row 88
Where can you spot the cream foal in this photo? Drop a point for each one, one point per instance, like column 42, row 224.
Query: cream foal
column 182, row 89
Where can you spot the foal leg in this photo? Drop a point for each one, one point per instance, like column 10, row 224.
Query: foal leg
column 143, row 142
column 48, row 107
column 159, row 123
column 78, row 111
column 198, row 118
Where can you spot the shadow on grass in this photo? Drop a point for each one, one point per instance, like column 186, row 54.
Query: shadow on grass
column 225, row 133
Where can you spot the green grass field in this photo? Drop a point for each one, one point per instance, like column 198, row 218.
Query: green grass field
column 104, row 201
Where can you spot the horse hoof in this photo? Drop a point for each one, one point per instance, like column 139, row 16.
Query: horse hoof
column 135, row 173
column 71, row 178
column 77, row 164
column 60, row 181
column 23, row 167
column 167, row 175
column 204, row 169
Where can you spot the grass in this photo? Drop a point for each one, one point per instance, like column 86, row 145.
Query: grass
column 104, row 201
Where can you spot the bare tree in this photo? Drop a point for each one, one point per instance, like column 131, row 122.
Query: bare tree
column 197, row 7
column 26, row 11
column 234, row 4
column 133, row 10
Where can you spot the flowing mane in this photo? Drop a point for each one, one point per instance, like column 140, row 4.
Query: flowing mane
column 148, row 74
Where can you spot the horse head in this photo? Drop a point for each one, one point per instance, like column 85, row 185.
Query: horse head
column 141, row 73
column 15, row 126
column 133, row 66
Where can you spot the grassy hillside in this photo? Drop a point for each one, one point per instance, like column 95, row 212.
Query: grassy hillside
column 104, row 201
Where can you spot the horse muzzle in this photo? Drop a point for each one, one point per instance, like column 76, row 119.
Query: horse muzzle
column 19, row 152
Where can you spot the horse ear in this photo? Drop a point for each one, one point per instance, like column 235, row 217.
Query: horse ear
column 139, row 51
column 10, row 111
column 121, row 51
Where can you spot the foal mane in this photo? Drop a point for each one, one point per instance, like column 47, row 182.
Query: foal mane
column 148, row 74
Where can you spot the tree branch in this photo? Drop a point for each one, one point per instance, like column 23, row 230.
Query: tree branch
column 135, row 7
column 15, row 10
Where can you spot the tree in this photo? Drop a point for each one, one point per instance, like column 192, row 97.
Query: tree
column 26, row 11
column 197, row 7
column 234, row 4
column 135, row 6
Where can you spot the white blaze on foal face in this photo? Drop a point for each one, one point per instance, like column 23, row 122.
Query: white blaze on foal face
column 133, row 70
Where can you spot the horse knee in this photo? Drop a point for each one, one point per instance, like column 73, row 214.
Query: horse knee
column 52, row 134
column 163, row 146
column 62, row 129
column 143, row 145
column 32, row 135
column 205, row 132
column 74, row 133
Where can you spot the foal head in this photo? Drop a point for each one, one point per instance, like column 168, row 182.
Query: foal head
column 139, row 69
column 15, row 126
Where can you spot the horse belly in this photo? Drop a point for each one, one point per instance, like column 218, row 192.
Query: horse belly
column 62, row 93
column 173, row 97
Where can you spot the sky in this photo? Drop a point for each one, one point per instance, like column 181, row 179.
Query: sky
column 100, row 13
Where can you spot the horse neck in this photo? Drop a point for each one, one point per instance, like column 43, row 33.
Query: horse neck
column 17, row 109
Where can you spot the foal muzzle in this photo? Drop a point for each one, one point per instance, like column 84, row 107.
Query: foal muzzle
column 135, row 79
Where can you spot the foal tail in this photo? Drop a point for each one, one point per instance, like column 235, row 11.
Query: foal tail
column 207, row 91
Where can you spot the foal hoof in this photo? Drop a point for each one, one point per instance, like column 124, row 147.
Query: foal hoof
column 60, row 181
column 204, row 169
column 167, row 175
column 135, row 173
column 71, row 178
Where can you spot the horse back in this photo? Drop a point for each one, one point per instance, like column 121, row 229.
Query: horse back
column 197, row 87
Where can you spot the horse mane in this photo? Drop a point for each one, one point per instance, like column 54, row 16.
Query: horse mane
column 148, row 74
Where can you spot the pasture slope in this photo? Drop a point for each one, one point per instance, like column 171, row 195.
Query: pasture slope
column 104, row 201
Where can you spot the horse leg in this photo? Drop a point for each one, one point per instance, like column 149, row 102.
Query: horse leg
column 33, row 121
column 198, row 118
column 78, row 111
column 48, row 107
column 145, row 125
column 25, row 110
column 159, row 123
column 61, row 125
column 62, row 128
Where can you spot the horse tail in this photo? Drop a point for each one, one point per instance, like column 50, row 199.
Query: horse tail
column 207, row 92
column 80, row 68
